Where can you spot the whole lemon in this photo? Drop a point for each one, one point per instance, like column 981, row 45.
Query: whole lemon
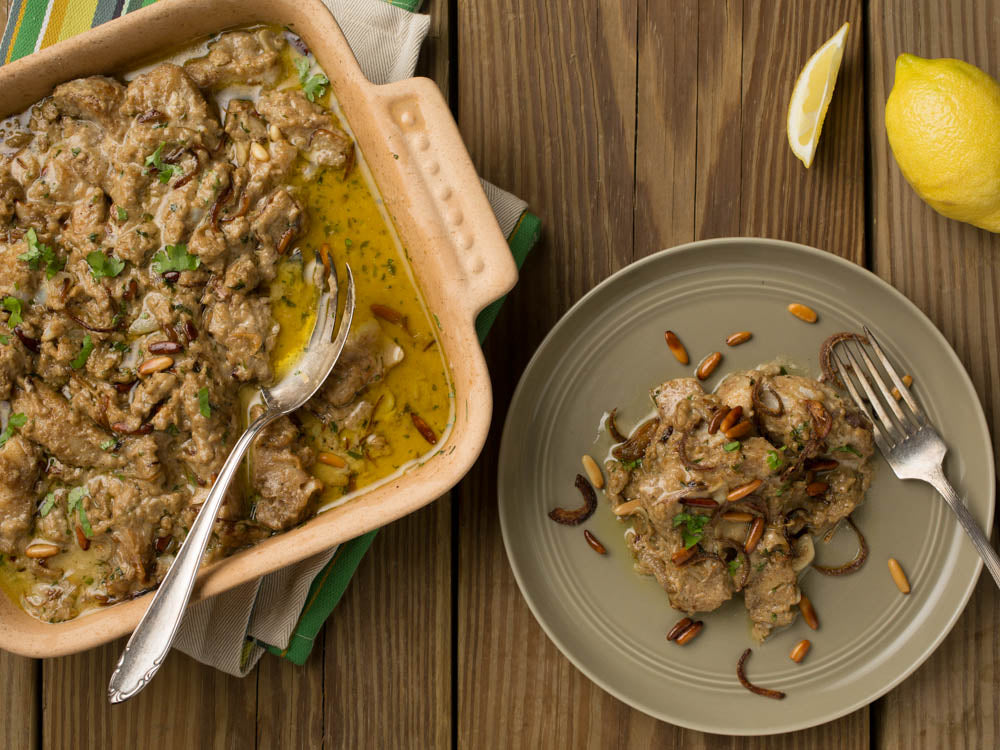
column 943, row 123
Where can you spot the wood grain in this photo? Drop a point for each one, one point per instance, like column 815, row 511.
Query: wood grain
column 546, row 102
column 19, row 704
column 388, row 645
column 290, row 705
column 188, row 705
column 952, row 272
column 822, row 206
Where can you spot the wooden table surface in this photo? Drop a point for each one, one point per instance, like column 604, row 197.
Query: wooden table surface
column 629, row 126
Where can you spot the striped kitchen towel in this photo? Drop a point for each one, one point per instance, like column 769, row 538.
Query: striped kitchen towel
column 284, row 611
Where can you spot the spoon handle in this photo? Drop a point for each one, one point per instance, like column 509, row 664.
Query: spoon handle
column 150, row 643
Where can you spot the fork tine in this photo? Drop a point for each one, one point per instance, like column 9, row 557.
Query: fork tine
column 907, row 423
column 897, row 381
column 887, row 424
column 879, row 430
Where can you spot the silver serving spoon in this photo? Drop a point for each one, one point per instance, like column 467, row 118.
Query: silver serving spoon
column 151, row 641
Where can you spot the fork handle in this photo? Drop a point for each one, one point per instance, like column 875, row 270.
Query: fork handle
column 153, row 636
column 979, row 540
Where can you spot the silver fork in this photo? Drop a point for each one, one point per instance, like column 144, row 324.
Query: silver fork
column 907, row 440
column 151, row 641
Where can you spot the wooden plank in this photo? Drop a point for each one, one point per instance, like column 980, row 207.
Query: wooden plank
column 746, row 65
column 546, row 102
column 387, row 667
column 290, row 709
column 19, row 702
column 187, row 705
column 388, row 645
column 693, row 175
column 824, row 205
column 951, row 271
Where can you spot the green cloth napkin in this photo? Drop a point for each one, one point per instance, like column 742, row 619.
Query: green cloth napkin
column 34, row 24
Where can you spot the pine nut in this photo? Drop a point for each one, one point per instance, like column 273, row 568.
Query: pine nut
column 41, row 550
column 743, row 490
column 676, row 347
column 802, row 312
column 815, row 489
column 626, row 509
column 688, row 635
column 242, row 152
column 331, row 459
column 155, row 364
column 740, row 430
column 679, row 628
column 738, row 516
column 259, row 152
column 896, row 570
column 808, row 612
column 682, row 555
column 753, row 537
column 735, row 339
column 799, row 651
column 593, row 471
column 273, row 133
column 708, row 365
column 81, row 538
column 594, row 544
column 716, row 423
column 907, row 381
column 731, row 418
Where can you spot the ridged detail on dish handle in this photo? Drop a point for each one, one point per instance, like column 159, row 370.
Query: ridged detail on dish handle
column 407, row 115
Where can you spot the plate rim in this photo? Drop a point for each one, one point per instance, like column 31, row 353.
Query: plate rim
column 823, row 255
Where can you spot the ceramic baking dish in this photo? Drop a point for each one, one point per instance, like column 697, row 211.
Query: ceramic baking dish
column 459, row 256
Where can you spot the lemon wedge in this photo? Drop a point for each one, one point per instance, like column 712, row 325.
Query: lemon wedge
column 811, row 96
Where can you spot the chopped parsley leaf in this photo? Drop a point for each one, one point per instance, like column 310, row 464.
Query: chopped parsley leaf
column 81, row 358
column 175, row 258
column 312, row 86
column 847, row 448
column 733, row 446
column 13, row 306
column 122, row 213
column 102, row 265
column 692, row 526
column 47, row 503
column 632, row 465
column 774, row 460
column 734, row 565
column 120, row 346
column 4, row 339
column 39, row 254
column 164, row 171
column 16, row 420
column 75, row 503
column 109, row 444
column 203, row 406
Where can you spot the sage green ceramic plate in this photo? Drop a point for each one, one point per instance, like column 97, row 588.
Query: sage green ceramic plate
column 608, row 351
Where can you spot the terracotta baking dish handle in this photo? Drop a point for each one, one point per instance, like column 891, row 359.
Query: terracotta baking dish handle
column 425, row 144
